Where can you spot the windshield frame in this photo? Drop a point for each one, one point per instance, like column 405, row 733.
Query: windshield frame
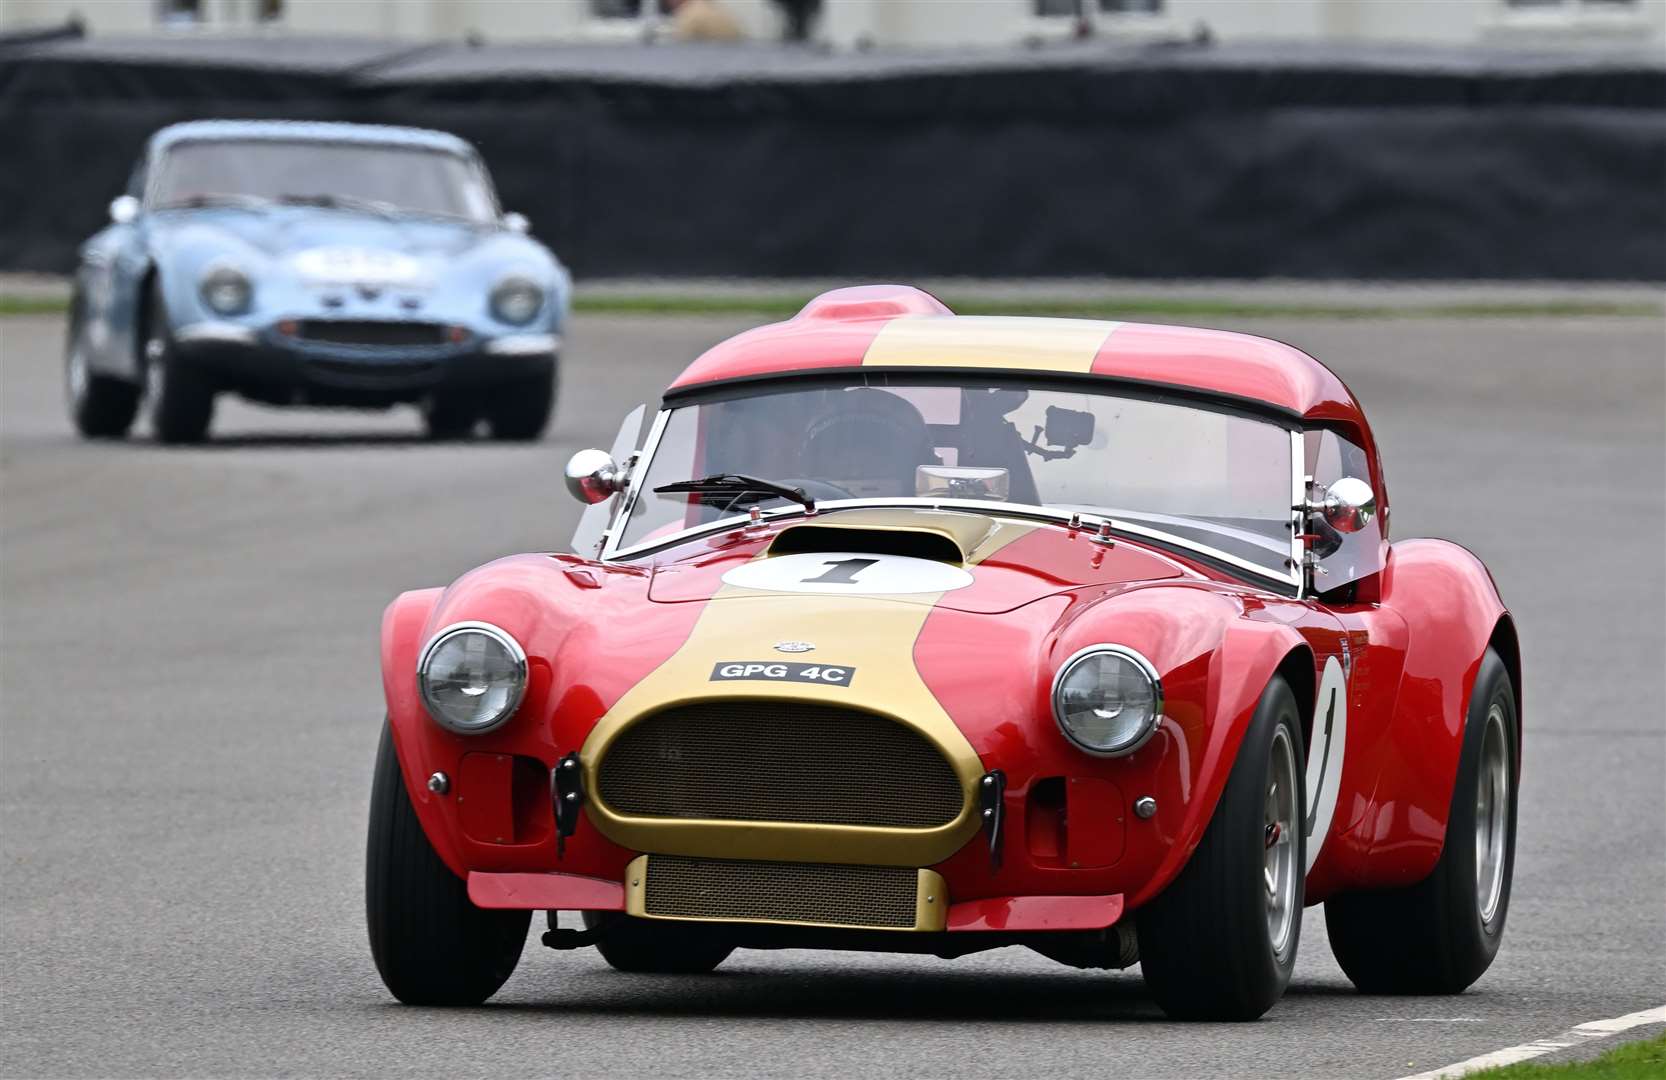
column 471, row 161
column 1291, row 582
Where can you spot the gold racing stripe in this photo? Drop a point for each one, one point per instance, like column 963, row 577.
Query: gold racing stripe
column 989, row 341
column 875, row 635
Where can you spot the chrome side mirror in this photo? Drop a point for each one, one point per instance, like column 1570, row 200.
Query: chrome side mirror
column 1348, row 506
column 123, row 209
column 516, row 223
column 593, row 476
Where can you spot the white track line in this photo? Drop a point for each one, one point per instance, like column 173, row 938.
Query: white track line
column 1595, row 1029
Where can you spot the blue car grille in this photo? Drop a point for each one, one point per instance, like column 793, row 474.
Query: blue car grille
column 372, row 333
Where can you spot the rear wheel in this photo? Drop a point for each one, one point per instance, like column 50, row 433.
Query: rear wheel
column 432, row 946
column 101, row 407
column 647, row 947
column 178, row 400
column 521, row 410
column 1220, row 942
column 448, row 417
column 1440, row 935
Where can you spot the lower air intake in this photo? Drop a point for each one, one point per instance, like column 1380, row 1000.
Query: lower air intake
column 877, row 897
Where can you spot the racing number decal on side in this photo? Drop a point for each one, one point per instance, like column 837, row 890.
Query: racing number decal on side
column 774, row 671
column 1324, row 756
column 841, row 572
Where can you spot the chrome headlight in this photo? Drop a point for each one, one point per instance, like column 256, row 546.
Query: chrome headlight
column 1107, row 700
column 472, row 677
column 226, row 290
column 516, row 300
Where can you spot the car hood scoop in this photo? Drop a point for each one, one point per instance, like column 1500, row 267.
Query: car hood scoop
column 950, row 540
column 966, row 561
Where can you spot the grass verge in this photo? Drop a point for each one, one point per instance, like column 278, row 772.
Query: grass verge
column 1643, row 1060
column 1157, row 308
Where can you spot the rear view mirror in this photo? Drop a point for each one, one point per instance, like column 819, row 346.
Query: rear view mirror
column 949, row 482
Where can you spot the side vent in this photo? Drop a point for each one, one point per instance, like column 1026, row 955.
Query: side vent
column 915, row 543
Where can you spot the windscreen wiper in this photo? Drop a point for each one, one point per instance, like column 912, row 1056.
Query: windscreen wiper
column 739, row 486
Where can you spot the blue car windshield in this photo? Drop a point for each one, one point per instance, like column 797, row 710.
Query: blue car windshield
column 345, row 175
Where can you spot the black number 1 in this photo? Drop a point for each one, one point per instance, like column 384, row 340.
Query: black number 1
column 842, row 572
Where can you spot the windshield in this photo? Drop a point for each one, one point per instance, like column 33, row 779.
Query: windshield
column 379, row 176
column 1213, row 479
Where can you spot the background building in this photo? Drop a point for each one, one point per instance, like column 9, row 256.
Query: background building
column 1619, row 24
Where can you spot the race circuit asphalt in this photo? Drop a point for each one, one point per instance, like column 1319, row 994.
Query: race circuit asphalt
column 191, row 705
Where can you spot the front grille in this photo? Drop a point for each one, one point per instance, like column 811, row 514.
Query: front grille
column 779, row 761
column 874, row 896
column 372, row 332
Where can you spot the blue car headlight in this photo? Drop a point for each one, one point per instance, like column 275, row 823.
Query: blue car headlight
column 226, row 290
column 517, row 300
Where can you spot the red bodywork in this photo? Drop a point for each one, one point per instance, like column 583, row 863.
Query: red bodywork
column 1074, row 854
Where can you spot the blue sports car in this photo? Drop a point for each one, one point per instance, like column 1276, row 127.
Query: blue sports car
column 313, row 264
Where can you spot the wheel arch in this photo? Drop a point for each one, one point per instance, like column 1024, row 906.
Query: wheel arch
column 1299, row 670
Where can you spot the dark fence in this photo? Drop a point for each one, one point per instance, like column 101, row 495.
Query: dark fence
column 1087, row 159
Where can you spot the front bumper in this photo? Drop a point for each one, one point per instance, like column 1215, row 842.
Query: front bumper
column 937, row 912
column 269, row 365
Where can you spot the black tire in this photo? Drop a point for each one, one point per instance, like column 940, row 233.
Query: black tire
column 646, row 947
column 1206, row 945
column 1433, row 937
column 520, row 411
column 179, row 402
column 101, row 407
column 450, row 417
column 431, row 945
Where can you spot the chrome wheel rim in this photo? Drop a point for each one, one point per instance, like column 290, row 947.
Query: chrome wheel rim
column 1492, row 815
column 1279, row 834
column 156, row 371
column 76, row 374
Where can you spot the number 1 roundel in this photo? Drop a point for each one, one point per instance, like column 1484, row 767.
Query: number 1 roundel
column 848, row 573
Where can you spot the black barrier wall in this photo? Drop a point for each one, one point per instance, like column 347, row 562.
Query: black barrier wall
column 1080, row 160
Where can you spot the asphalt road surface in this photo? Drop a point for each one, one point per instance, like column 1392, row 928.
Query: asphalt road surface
column 191, row 708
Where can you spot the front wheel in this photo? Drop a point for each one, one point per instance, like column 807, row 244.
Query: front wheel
column 1220, row 942
column 1440, row 935
column 521, row 410
column 431, row 945
column 178, row 400
column 101, row 407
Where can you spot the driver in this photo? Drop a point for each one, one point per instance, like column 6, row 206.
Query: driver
column 868, row 444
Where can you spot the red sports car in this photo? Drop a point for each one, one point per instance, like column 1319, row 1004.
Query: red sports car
column 917, row 632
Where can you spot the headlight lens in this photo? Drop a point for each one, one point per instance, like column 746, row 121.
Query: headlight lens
column 1107, row 700
column 226, row 290
column 472, row 677
column 516, row 300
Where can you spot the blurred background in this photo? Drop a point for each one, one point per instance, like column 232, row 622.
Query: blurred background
column 1146, row 139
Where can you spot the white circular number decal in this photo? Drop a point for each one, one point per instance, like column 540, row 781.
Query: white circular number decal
column 1324, row 756
column 848, row 573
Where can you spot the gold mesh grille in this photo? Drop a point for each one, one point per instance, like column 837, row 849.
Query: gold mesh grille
column 873, row 896
column 779, row 761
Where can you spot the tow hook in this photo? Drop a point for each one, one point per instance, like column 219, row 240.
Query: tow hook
column 557, row 938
